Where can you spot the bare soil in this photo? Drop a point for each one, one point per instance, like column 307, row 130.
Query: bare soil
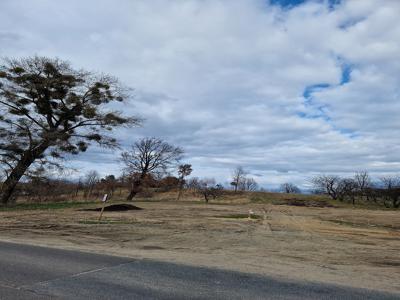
column 353, row 247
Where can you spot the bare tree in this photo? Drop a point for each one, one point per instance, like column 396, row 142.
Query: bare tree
column 248, row 184
column 208, row 188
column 193, row 183
column 149, row 155
column 183, row 171
column 109, row 184
column 91, row 179
column 347, row 189
column 327, row 184
column 391, row 194
column 79, row 185
column 46, row 109
column 337, row 188
column 238, row 177
column 289, row 188
column 363, row 180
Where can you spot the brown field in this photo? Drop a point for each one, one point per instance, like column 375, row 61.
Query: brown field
column 351, row 246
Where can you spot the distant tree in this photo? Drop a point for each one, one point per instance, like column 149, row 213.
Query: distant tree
column 47, row 108
column 337, row 188
column 289, row 188
column 364, row 184
column 208, row 189
column 149, row 155
column 347, row 189
column 248, row 184
column 109, row 183
column 79, row 185
column 37, row 183
column 363, row 180
column 391, row 194
column 183, row 171
column 169, row 182
column 193, row 183
column 327, row 184
column 238, row 177
column 91, row 179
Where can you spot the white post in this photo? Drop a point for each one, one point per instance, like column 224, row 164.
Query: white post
column 105, row 198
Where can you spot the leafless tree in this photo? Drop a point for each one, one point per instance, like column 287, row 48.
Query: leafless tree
column 183, row 171
column 327, row 184
column 238, row 177
column 193, row 183
column 91, row 179
column 289, row 188
column 391, row 194
column 363, row 180
column 79, row 186
column 109, row 184
column 149, row 155
column 208, row 188
column 347, row 189
column 248, row 184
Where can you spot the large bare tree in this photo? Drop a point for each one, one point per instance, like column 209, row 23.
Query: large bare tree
column 47, row 109
column 146, row 156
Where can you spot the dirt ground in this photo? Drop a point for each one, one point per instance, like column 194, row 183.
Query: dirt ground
column 353, row 247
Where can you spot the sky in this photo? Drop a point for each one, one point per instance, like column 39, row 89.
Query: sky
column 285, row 88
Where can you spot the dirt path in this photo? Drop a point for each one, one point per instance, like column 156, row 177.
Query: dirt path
column 359, row 248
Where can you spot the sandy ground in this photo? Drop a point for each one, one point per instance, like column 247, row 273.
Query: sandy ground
column 353, row 247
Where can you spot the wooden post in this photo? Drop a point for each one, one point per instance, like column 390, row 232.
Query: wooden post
column 104, row 205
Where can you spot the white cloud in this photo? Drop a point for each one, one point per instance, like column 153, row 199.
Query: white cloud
column 225, row 79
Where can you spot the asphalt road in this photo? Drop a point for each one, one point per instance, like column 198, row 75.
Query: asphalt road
column 30, row 272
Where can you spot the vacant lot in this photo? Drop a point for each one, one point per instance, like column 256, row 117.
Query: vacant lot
column 356, row 247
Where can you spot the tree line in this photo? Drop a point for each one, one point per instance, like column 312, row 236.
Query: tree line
column 360, row 188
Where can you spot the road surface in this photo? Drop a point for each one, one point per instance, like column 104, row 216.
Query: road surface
column 30, row 272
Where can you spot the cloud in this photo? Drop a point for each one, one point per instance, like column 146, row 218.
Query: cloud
column 285, row 91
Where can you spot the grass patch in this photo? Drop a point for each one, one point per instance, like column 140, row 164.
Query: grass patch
column 241, row 216
column 44, row 206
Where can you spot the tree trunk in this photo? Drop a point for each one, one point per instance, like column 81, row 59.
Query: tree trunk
column 179, row 194
column 180, row 189
column 135, row 187
column 9, row 185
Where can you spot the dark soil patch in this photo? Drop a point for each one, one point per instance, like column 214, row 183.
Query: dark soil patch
column 387, row 263
column 307, row 203
column 115, row 207
column 149, row 247
column 240, row 216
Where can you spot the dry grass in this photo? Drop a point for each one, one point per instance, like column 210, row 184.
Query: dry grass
column 356, row 247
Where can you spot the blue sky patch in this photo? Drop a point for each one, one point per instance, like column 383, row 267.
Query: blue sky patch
column 346, row 74
column 313, row 88
column 293, row 3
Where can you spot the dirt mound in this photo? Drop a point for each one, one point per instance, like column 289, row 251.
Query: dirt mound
column 307, row 203
column 115, row 207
